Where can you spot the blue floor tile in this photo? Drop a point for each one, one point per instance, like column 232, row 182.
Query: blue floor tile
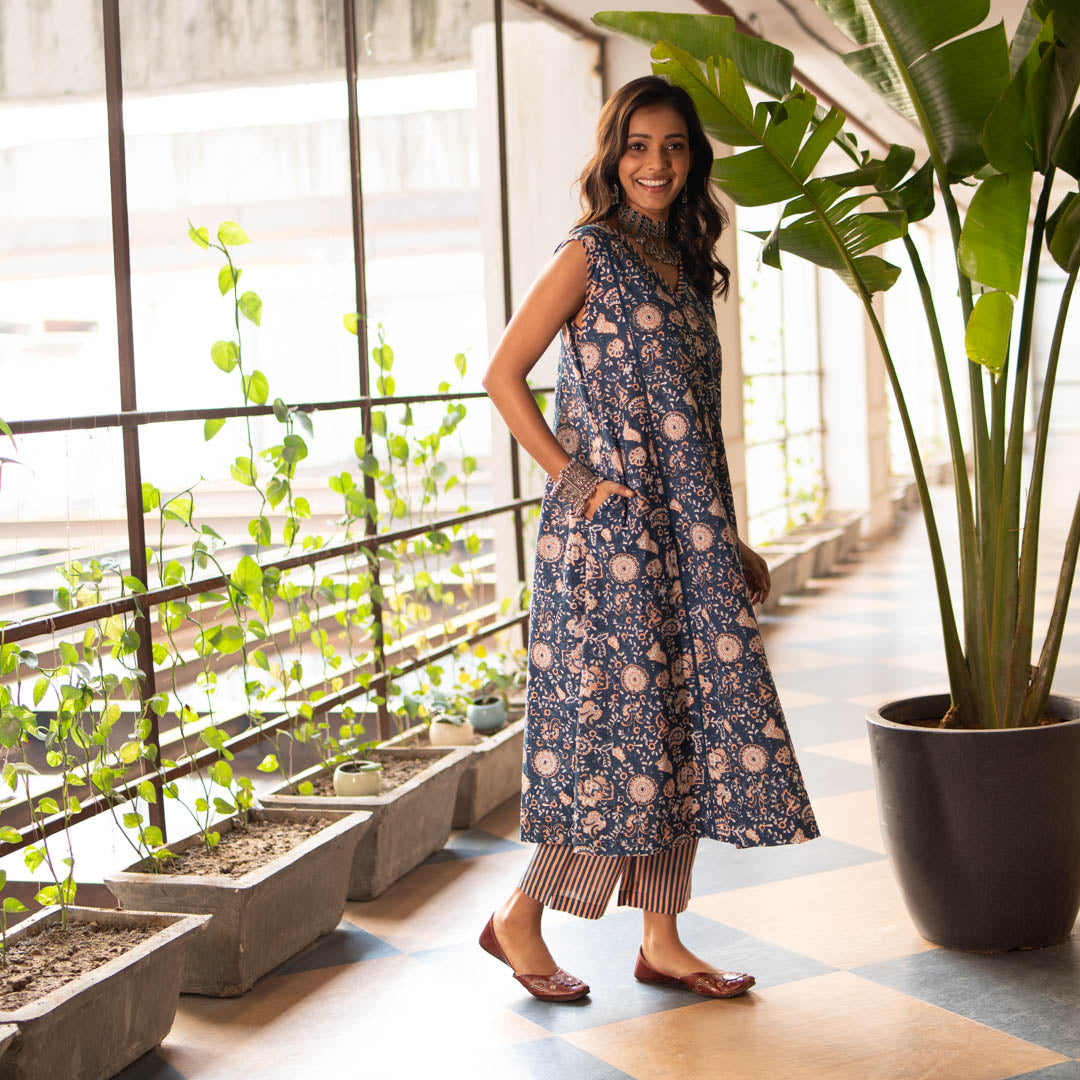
column 1067, row 1070
column 1033, row 994
column 545, row 1059
column 348, row 944
column 827, row 776
column 471, row 844
column 721, row 867
column 150, row 1067
column 603, row 953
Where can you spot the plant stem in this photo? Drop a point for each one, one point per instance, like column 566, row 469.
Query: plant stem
column 1037, row 693
column 1005, row 584
column 976, row 624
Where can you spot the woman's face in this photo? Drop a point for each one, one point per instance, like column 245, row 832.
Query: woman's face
column 656, row 162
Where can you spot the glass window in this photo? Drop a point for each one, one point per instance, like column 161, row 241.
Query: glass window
column 782, row 384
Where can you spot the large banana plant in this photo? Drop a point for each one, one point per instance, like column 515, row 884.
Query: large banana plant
column 994, row 115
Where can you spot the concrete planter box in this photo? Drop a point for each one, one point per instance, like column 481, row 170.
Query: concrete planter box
column 826, row 539
column 408, row 823
column 783, row 567
column 492, row 774
column 850, row 522
column 102, row 1021
column 261, row 918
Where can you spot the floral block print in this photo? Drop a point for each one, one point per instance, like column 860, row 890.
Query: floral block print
column 652, row 715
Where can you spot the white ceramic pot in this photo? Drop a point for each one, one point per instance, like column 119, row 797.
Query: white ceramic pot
column 444, row 733
column 356, row 778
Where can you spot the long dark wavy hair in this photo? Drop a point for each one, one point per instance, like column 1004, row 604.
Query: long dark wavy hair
column 694, row 226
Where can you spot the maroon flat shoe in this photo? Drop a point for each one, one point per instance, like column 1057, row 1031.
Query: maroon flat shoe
column 706, row 983
column 560, row 986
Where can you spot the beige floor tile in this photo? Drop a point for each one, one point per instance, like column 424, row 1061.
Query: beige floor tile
column 440, row 904
column 782, row 660
column 881, row 696
column 931, row 660
column 832, row 1027
column 303, row 1022
column 851, row 818
column 795, row 699
column 856, row 750
column 803, row 627
column 504, row 821
column 843, row 918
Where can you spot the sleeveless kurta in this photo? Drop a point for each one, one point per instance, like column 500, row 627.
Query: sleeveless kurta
column 651, row 712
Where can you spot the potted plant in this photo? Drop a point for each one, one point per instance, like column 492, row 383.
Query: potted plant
column 999, row 122
column 104, row 1010
column 493, row 772
column 410, row 814
column 360, row 776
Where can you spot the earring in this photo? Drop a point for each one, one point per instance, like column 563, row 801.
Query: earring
column 614, row 193
column 683, row 198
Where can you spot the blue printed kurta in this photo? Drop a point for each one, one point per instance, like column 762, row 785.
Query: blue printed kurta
column 652, row 715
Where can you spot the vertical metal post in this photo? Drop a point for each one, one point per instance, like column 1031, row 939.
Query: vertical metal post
column 349, row 15
column 114, row 100
column 508, row 294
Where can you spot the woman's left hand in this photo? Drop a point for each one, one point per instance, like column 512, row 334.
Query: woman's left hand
column 756, row 571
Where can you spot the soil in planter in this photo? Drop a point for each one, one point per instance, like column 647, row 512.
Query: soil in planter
column 241, row 850
column 395, row 771
column 424, row 739
column 949, row 721
column 40, row 963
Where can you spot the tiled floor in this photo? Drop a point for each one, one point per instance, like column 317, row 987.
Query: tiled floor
column 846, row 990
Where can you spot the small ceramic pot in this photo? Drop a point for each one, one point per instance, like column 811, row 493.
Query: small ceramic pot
column 356, row 778
column 487, row 715
column 444, row 733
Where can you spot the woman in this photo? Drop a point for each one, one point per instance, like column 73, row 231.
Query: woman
column 652, row 717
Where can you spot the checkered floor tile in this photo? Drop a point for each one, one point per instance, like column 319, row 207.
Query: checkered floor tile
column 846, row 989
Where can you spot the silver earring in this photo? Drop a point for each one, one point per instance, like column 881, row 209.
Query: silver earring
column 614, row 193
column 683, row 198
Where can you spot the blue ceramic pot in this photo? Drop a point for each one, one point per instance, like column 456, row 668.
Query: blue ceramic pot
column 487, row 717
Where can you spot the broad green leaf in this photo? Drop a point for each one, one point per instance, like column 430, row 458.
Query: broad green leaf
column 247, row 576
column 251, row 306
column 230, row 640
column 763, row 64
column 352, row 322
column 129, row 752
column 151, row 497
column 227, row 277
column 48, row 805
column 13, row 905
column 913, row 57
column 132, row 820
column 212, row 426
column 225, row 354
column 68, row 653
column 987, row 337
column 1067, row 152
column 221, row 773
column 244, row 471
column 33, row 858
column 1053, row 90
column 991, row 249
column 41, row 688
column 259, row 529
column 147, row 791
column 230, row 233
column 1063, row 233
column 256, row 388
column 268, row 764
column 294, row 449
column 200, row 236
column 9, row 835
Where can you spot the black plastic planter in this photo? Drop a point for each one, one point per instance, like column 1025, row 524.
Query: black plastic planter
column 982, row 828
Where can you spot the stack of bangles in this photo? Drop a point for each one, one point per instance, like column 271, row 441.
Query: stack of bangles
column 574, row 484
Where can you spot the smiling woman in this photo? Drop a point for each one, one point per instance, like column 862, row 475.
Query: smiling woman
column 651, row 717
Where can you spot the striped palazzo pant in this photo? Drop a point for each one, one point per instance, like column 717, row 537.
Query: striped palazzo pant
column 583, row 884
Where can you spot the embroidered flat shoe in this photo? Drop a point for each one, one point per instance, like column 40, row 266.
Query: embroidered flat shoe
column 559, row 986
column 706, row 983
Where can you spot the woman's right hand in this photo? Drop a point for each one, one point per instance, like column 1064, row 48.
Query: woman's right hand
column 603, row 490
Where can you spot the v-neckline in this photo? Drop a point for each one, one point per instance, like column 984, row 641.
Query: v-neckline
column 627, row 242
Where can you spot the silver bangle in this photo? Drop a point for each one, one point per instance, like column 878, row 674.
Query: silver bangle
column 574, row 485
